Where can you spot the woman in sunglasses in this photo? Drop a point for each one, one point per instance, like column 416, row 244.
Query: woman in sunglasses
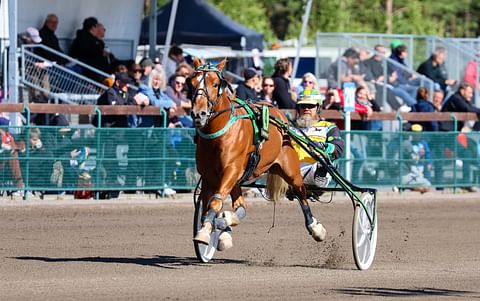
column 309, row 107
column 268, row 85
column 309, row 82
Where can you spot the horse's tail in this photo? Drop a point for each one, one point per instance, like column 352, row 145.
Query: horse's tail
column 276, row 187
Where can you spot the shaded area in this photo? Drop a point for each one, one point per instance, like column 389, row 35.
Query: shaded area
column 406, row 292
column 167, row 262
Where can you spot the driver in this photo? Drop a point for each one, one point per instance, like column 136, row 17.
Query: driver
column 309, row 106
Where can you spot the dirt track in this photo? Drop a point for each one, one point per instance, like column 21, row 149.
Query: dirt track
column 429, row 249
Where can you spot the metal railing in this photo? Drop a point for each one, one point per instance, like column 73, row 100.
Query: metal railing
column 79, row 158
column 59, row 81
column 343, row 41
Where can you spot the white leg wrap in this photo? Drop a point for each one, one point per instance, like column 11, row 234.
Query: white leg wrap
column 230, row 217
column 225, row 241
column 319, row 233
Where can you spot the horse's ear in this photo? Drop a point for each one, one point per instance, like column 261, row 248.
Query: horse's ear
column 197, row 62
column 221, row 65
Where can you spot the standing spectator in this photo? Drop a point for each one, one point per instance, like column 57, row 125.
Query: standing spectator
column 309, row 82
column 87, row 48
column 49, row 39
column 267, row 91
column 246, row 89
column 434, row 69
column 423, row 105
column 282, row 93
column 345, row 69
column 470, row 75
column 107, row 53
column 147, row 67
column 175, row 57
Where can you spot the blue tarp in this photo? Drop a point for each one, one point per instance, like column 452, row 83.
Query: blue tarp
column 198, row 22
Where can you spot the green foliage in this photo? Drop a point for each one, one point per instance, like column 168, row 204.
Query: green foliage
column 282, row 19
column 249, row 13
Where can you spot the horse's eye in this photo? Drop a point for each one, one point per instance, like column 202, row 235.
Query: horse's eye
column 215, row 86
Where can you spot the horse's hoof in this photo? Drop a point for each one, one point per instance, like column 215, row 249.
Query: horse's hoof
column 318, row 231
column 203, row 236
column 225, row 241
column 230, row 217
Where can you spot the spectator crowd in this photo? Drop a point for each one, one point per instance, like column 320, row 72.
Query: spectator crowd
column 380, row 73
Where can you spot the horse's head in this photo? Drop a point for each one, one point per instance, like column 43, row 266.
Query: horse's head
column 208, row 86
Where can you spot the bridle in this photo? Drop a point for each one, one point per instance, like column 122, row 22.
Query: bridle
column 203, row 91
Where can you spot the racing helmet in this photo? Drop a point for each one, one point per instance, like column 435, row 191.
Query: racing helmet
column 310, row 96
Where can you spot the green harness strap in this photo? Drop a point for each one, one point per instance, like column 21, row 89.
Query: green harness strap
column 257, row 137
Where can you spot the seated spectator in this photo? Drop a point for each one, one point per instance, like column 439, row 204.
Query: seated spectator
column 405, row 84
column 135, row 73
column 309, row 82
column 373, row 68
column 365, row 105
column 184, row 69
column 9, row 158
column 345, row 69
column 282, row 93
column 30, row 36
column 470, row 75
column 434, row 69
column 332, row 100
column 246, row 89
column 415, row 160
column 424, row 105
column 267, row 91
column 177, row 92
column 117, row 95
column 438, row 99
column 39, row 167
column 87, row 48
column 155, row 91
column 49, row 39
column 461, row 101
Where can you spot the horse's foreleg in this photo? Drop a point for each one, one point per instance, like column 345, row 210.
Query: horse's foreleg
column 215, row 204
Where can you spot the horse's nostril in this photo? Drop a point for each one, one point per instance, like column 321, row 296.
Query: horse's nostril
column 203, row 113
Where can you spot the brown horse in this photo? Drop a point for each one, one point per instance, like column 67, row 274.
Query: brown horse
column 224, row 144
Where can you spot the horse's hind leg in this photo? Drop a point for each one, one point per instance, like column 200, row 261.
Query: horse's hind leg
column 232, row 218
column 291, row 173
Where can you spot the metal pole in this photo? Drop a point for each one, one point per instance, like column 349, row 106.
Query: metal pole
column 302, row 35
column 243, row 44
column 168, row 39
column 12, row 59
column 348, row 151
column 152, row 30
